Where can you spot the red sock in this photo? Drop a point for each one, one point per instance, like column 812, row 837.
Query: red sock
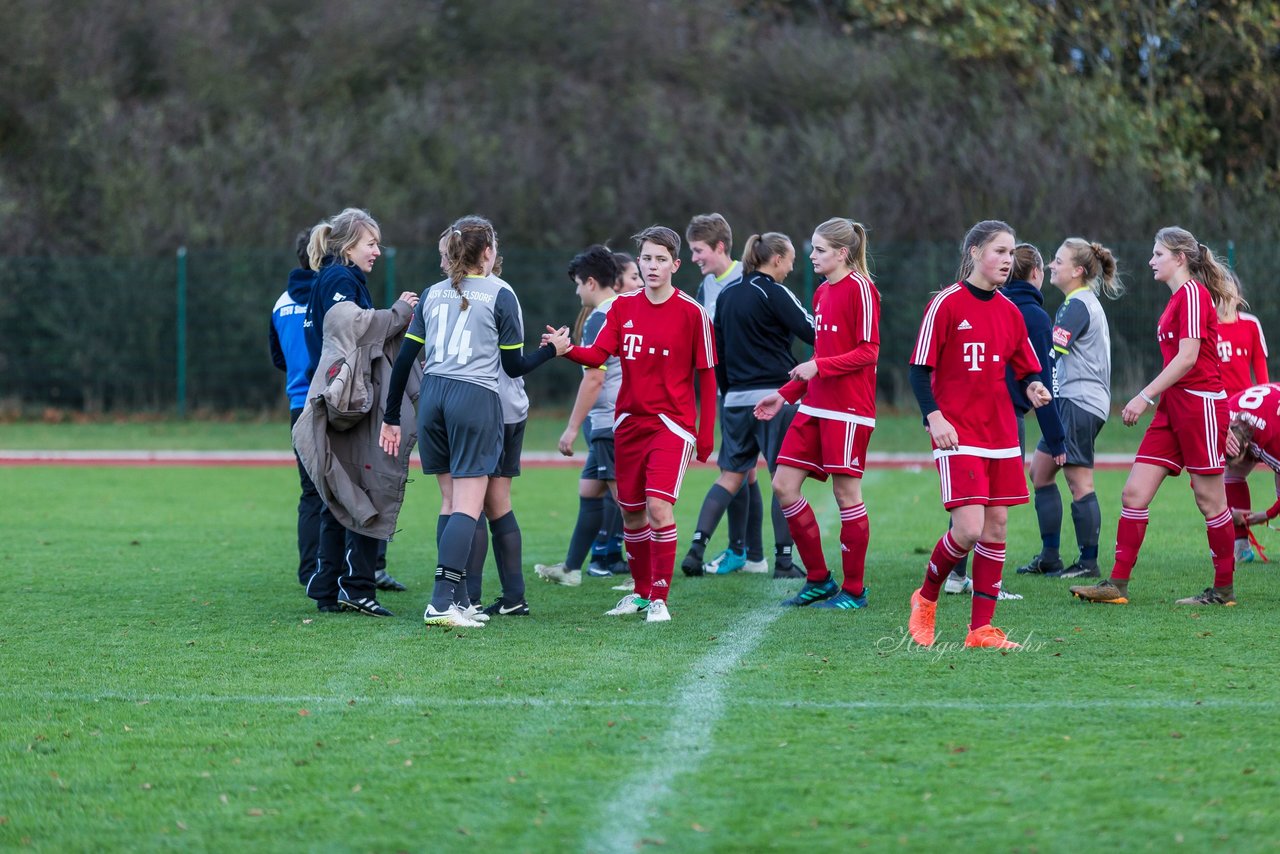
column 946, row 554
column 1129, row 534
column 1238, row 499
column 662, row 551
column 855, row 533
column 1218, row 530
column 807, row 536
column 988, row 564
column 639, row 558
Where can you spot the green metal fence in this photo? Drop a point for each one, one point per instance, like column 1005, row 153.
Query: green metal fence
column 187, row 333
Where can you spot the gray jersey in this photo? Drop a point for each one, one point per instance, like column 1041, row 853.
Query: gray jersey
column 515, row 401
column 711, row 287
column 1082, row 353
column 600, row 416
column 465, row 345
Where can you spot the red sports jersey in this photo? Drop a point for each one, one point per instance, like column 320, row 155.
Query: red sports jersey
column 1241, row 346
column 1259, row 407
column 969, row 342
column 1190, row 314
column 846, row 317
column 660, row 347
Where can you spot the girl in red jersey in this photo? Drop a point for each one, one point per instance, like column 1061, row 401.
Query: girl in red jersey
column 1242, row 349
column 830, row 432
column 1190, row 424
column 970, row 334
column 666, row 348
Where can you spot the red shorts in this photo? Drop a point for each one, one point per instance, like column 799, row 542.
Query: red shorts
column 1188, row 431
column 649, row 460
column 967, row 479
column 825, row 446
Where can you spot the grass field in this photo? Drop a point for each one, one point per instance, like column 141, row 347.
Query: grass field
column 168, row 686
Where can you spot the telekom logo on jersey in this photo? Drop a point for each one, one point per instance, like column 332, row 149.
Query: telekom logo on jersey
column 974, row 354
column 632, row 344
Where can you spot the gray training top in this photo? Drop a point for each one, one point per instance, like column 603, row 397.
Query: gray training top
column 1082, row 353
column 711, row 287
column 465, row 345
column 601, row 414
column 511, row 393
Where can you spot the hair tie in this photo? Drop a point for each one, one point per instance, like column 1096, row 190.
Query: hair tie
column 457, row 232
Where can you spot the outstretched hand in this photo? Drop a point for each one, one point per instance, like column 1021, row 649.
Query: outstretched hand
column 767, row 408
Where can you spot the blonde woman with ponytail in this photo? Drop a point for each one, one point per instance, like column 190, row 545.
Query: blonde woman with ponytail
column 1190, row 424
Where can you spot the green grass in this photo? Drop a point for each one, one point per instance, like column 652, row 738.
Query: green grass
column 896, row 432
column 168, row 686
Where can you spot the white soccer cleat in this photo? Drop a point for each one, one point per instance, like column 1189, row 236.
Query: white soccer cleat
column 627, row 584
column 471, row 612
column 1006, row 596
column 450, row 617
column 657, row 612
column 959, row 584
column 556, row 573
column 756, row 567
column 629, row 604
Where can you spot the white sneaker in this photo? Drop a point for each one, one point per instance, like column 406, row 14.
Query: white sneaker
column 557, row 574
column 1005, row 595
column 629, row 604
column 450, row 617
column 756, row 566
column 471, row 612
column 959, row 584
column 657, row 612
column 627, row 584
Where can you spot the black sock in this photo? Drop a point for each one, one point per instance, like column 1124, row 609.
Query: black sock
column 739, row 510
column 610, row 516
column 475, row 565
column 1049, row 515
column 507, row 547
column 962, row 568
column 585, row 530
column 456, row 539
column 781, row 536
column 713, row 506
column 1087, row 517
column 441, row 521
column 755, row 522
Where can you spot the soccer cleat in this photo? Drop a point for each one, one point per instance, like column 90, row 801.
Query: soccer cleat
column 450, row 617
column 657, row 612
column 756, row 567
column 627, row 584
column 692, row 564
column 618, row 565
column 1212, row 596
column 788, row 570
column 1103, row 591
column 383, row 581
column 1003, row 595
column 726, row 562
column 1076, row 570
column 1040, row 566
column 1245, row 554
column 473, row 612
column 923, row 615
column 957, row 583
column 367, row 605
column 503, row 608
column 989, row 637
column 845, row 601
column 629, row 604
column 597, row 569
column 812, row 591
column 556, row 573
column 329, row 608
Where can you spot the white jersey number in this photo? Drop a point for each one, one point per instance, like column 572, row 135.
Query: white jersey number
column 459, row 346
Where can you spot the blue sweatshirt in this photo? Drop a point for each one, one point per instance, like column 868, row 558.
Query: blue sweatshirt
column 286, row 336
column 1030, row 302
column 334, row 283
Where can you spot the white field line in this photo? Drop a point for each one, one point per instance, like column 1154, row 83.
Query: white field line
column 533, row 703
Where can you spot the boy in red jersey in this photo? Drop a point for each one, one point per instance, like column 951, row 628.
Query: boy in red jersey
column 830, row 432
column 1190, row 424
column 664, row 340
column 970, row 334
column 1242, row 349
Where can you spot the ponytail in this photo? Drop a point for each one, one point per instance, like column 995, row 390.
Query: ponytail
column 462, row 254
column 760, row 249
column 1097, row 264
column 317, row 243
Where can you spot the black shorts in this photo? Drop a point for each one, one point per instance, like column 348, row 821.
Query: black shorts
column 1082, row 428
column 744, row 438
column 459, row 428
column 512, row 447
column 599, row 464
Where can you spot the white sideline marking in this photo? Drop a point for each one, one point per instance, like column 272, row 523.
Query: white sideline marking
column 400, row 700
column 696, row 708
